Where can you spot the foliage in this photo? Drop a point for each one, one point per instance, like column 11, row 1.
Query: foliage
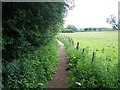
column 27, row 26
column 29, row 52
column 93, row 29
column 69, row 29
column 65, row 30
column 86, row 29
column 34, row 70
column 74, row 29
column 29, row 55
column 29, row 59
column 102, row 71
column 112, row 21
column 69, row 5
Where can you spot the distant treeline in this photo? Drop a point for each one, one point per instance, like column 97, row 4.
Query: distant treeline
column 93, row 29
column 72, row 28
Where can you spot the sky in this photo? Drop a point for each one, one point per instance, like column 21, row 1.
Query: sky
column 92, row 13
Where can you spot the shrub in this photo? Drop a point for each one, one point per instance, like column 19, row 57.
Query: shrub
column 34, row 70
column 26, row 26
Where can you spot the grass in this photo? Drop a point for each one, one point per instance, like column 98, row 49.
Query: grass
column 104, row 43
column 102, row 72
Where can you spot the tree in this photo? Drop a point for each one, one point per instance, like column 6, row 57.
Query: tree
column 86, row 29
column 28, row 25
column 90, row 29
column 69, row 29
column 112, row 21
column 72, row 27
column 68, row 5
column 94, row 29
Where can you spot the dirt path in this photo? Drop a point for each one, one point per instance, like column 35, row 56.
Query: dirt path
column 60, row 78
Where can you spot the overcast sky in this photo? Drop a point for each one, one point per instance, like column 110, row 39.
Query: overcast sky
column 92, row 13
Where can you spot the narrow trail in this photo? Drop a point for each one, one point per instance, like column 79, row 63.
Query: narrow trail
column 60, row 78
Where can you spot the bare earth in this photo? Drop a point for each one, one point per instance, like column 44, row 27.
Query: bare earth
column 60, row 78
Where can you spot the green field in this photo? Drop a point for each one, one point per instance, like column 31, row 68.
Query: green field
column 92, row 71
column 98, row 41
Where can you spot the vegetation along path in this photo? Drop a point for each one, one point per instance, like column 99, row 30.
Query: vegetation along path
column 60, row 78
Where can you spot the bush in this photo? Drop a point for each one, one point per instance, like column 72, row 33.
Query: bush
column 26, row 26
column 34, row 70
column 69, row 29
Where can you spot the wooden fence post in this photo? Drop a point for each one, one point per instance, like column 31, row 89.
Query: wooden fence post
column 93, row 56
column 83, row 50
column 103, row 50
column 77, row 47
column 72, row 42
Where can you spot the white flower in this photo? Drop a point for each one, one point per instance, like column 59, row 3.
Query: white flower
column 78, row 83
column 70, row 64
column 74, row 57
column 40, row 84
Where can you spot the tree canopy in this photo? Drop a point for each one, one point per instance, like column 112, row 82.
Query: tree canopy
column 69, row 29
column 27, row 25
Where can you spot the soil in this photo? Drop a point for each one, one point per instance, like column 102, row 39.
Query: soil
column 60, row 78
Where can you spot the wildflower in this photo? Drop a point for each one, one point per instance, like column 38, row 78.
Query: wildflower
column 74, row 57
column 78, row 83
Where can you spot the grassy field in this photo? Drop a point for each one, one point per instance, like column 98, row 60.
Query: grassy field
column 92, row 71
column 104, row 43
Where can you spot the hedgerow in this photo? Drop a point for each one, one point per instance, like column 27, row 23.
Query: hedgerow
column 27, row 26
column 34, row 70
column 29, row 51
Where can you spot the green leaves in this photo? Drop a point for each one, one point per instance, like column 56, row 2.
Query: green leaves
column 29, row 25
column 34, row 70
